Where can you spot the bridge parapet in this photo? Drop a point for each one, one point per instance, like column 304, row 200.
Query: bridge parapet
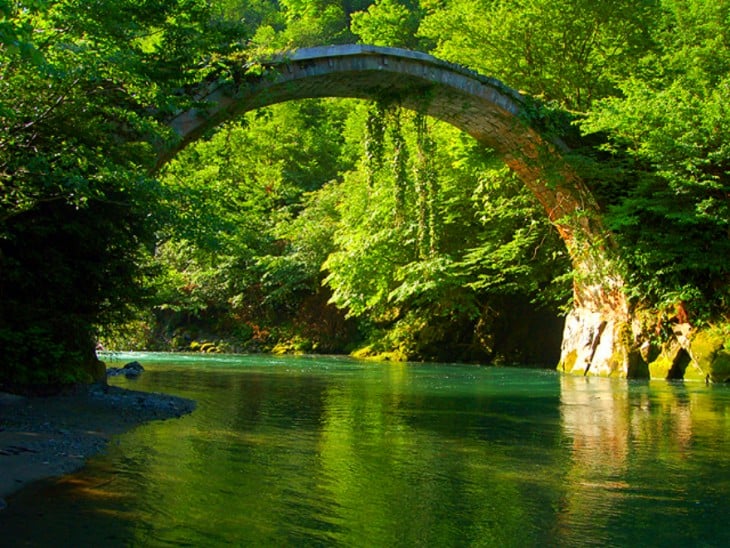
column 320, row 52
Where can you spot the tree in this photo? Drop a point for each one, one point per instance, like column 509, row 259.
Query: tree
column 426, row 239
column 570, row 52
column 388, row 23
column 670, row 130
column 237, row 250
column 79, row 90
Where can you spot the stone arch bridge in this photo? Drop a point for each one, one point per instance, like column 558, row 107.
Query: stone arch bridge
column 597, row 339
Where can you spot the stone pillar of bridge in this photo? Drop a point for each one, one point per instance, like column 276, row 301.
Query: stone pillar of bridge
column 600, row 336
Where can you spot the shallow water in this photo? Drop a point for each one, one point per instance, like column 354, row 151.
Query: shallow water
column 333, row 452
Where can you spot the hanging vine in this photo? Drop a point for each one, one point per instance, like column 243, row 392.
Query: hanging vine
column 400, row 164
column 426, row 189
column 375, row 139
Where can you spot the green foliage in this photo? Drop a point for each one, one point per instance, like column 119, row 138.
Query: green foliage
column 35, row 357
column 77, row 214
column 672, row 126
column 306, row 23
column 651, row 79
column 426, row 181
column 245, row 243
column 567, row 51
column 375, row 139
column 401, row 222
column 518, row 252
column 360, row 267
column 414, row 233
column 16, row 30
column 250, row 221
column 391, row 23
column 309, row 239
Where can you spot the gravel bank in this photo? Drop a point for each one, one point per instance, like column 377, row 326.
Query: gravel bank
column 47, row 437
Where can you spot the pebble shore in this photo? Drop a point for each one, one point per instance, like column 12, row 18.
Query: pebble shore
column 43, row 437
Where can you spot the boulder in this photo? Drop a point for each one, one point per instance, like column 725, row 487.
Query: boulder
column 721, row 367
column 707, row 349
column 130, row 370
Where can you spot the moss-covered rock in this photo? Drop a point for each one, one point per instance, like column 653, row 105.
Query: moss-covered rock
column 649, row 351
column 721, row 367
column 363, row 353
column 702, row 358
column 674, row 363
column 369, row 353
column 704, row 349
column 294, row 345
column 638, row 368
column 661, row 367
column 208, row 347
column 694, row 373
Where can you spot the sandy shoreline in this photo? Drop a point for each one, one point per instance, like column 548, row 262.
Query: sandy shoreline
column 47, row 437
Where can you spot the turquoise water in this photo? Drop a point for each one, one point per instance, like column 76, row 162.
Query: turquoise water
column 333, row 452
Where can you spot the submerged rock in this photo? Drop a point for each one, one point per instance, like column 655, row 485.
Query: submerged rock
column 131, row 370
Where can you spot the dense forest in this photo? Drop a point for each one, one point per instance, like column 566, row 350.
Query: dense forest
column 340, row 225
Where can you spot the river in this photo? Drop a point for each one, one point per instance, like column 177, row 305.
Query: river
column 321, row 451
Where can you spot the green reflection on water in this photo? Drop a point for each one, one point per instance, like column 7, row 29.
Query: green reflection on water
column 334, row 452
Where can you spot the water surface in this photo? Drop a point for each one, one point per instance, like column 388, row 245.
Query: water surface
column 333, row 452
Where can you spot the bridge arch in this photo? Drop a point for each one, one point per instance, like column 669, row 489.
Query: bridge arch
column 483, row 107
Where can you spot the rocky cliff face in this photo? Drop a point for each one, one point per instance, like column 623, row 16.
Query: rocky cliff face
column 692, row 354
column 611, row 344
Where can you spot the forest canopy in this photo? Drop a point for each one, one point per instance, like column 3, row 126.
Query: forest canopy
column 335, row 225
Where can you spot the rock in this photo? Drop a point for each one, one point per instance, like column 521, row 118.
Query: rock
column 133, row 366
column 596, row 344
column 721, row 367
column 672, row 357
column 697, row 355
column 131, row 370
column 707, row 350
column 682, row 332
column 638, row 367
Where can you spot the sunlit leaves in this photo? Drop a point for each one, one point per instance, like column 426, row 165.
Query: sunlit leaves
column 464, row 231
column 388, row 23
column 566, row 51
column 239, row 198
column 314, row 22
column 674, row 125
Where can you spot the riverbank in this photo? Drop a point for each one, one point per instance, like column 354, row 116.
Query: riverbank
column 52, row 436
